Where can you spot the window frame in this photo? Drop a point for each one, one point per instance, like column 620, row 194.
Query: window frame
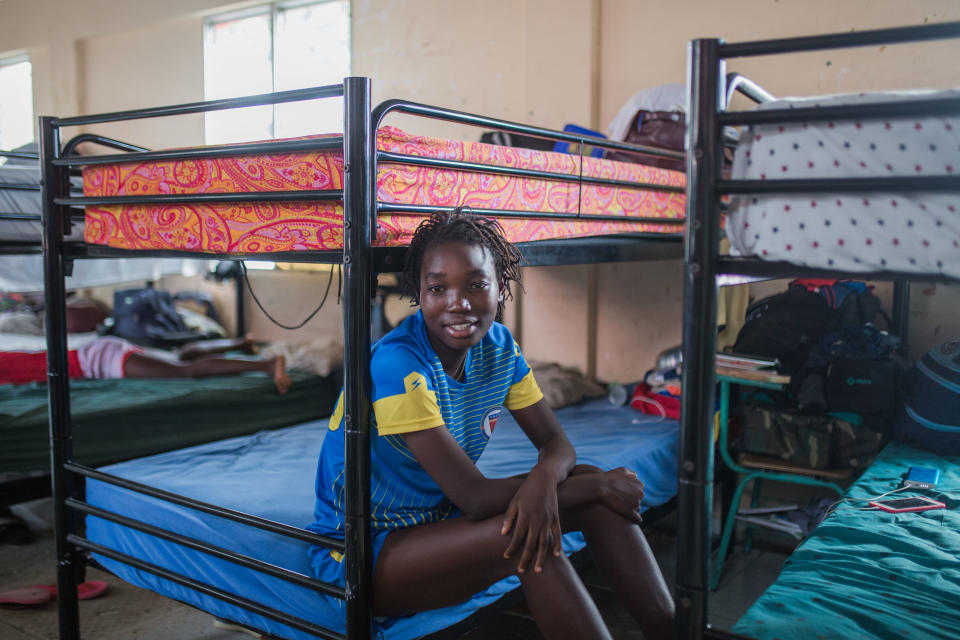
column 20, row 57
column 272, row 9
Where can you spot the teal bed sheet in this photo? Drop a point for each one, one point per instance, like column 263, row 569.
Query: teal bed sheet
column 119, row 419
column 872, row 574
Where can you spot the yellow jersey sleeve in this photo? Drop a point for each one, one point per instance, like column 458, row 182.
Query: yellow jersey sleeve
column 524, row 393
column 415, row 409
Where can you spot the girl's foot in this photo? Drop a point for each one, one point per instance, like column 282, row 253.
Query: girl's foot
column 279, row 373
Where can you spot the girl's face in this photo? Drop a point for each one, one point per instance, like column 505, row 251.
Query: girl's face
column 459, row 294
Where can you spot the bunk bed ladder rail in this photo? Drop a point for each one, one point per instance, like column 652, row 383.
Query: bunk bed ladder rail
column 359, row 212
column 69, row 561
column 695, row 455
column 702, row 263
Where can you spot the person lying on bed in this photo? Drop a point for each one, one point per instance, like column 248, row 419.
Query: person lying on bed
column 112, row 357
column 441, row 530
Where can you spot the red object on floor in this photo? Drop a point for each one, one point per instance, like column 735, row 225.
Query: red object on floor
column 26, row 596
column 645, row 400
column 85, row 590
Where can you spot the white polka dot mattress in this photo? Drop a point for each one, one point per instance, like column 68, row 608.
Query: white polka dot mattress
column 907, row 232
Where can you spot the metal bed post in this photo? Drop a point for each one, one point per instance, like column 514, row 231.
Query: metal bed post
column 695, row 489
column 900, row 314
column 358, row 225
column 240, row 300
column 69, row 560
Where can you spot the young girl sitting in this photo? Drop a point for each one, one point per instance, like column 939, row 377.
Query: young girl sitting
column 441, row 531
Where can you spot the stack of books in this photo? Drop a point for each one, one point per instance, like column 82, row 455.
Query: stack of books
column 771, row 518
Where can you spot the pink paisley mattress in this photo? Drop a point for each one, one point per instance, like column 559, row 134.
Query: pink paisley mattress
column 304, row 226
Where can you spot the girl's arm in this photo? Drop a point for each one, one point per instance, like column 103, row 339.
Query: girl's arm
column 532, row 519
column 533, row 512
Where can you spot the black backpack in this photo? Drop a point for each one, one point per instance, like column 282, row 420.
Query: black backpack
column 786, row 326
column 149, row 317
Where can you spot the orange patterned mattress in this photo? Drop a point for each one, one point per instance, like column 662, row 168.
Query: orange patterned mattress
column 305, row 226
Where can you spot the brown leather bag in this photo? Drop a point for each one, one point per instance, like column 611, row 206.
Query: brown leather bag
column 662, row 129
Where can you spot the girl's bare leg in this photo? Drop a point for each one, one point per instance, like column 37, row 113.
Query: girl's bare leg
column 144, row 365
column 447, row 562
column 622, row 553
column 620, row 549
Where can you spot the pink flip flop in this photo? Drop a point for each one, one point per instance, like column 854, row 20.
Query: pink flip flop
column 85, row 590
column 26, row 597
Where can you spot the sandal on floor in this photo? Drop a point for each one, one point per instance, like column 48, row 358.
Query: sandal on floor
column 27, row 596
column 85, row 590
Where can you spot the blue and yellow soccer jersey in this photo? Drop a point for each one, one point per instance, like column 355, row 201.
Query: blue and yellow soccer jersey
column 411, row 392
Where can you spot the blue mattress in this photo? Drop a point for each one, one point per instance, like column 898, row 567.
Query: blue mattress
column 869, row 574
column 271, row 475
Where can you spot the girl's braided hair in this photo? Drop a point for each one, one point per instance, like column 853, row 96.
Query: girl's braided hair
column 471, row 229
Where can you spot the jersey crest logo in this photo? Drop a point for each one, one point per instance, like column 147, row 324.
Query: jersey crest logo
column 489, row 420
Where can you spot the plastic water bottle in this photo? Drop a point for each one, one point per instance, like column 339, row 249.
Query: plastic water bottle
column 619, row 394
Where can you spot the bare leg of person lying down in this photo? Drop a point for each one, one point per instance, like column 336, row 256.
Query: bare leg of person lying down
column 149, row 365
column 203, row 348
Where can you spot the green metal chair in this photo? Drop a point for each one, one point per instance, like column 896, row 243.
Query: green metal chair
column 754, row 473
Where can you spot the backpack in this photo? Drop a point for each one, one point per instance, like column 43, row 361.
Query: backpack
column 930, row 414
column 148, row 317
column 816, row 441
column 821, row 331
column 662, row 129
column 785, row 326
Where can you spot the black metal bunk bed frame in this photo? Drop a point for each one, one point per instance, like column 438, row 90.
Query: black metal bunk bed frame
column 702, row 262
column 360, row 260
column 31, row 487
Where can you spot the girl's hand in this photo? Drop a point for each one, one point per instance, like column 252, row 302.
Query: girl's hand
column 622, row 492
column 533, row 518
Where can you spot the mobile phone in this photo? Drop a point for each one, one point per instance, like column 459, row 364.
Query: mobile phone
column 922, row 477
column 902, row 505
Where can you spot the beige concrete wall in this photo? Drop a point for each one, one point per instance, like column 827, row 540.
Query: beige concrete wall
column 522, row 60
column 556, row 312
column 153, row 65
column 644, row 44
column 638, row 315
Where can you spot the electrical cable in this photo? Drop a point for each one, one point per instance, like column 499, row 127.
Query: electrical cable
column 663, row 412
column 243, row 269
column 833, row 507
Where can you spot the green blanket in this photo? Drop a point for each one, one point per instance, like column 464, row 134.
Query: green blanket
column 869, row 573
column 119, row 419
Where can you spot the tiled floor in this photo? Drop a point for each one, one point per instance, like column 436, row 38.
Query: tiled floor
column 127, row 613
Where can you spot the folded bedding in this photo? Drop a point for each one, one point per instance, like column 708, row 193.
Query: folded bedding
column 119, row 419
column 909, row 232
column 271, row 475
column 302, row 226
column 870, row 574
